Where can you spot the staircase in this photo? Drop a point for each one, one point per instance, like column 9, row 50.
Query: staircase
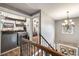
column 29, row 48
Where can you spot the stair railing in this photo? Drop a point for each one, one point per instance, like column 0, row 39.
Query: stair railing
column 29, row 48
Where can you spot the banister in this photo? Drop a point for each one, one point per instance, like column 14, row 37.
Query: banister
column 46, row 41
column 46, row 49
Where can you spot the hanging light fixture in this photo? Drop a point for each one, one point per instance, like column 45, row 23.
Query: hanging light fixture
column 68, row 23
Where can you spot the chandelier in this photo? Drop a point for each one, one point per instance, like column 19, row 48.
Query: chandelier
column 68, row 23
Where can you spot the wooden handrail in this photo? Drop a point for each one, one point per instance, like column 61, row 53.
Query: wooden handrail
column 46, row 41
column 46, row 49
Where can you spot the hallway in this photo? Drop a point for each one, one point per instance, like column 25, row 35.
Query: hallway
column 48, row 29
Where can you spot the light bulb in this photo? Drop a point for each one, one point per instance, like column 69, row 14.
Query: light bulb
column 66, row 21
column 72, row 23
column 70, row 20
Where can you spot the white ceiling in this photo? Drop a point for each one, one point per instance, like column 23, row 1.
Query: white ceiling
column 54, row 10
column 58, row 10
column 22, row 7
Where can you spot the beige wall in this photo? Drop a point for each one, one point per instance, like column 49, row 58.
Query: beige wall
column 47, row 28
column 69, row 39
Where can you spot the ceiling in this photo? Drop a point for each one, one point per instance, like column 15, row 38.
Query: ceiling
column 55, row 10
column 21, row 7
column 58, row 10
